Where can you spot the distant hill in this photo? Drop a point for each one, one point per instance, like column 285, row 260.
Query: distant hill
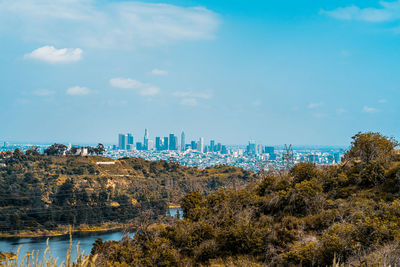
column 42, row 193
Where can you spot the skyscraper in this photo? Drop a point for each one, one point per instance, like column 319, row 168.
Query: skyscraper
column 122, row 141
column 251, row 148
column 224, row 150
column 201, row 144
column 212, row 146
column 269, row 150
column 146, row 140
column 130, row 145
column 166, row 145
column 159, row 146
column 193, row 145
column 218, row 147
column 173, row 142
column 183, row 144
column 150, row 145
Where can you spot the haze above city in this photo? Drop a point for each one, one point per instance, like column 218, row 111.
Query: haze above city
column 278, row 72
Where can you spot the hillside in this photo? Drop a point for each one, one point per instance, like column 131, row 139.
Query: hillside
column 39, row 192
column 308, row 216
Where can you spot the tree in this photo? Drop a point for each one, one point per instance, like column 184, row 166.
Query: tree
column 56, row 150
column 18, row 154
column 100, row 149
column 370, row 154
column 372, row 147
column 191, row 204
column 33, row 151
column 65, row 195
column 73, row 150
column 304, row 171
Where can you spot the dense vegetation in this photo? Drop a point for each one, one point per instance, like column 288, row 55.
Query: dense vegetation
column 44, row 192
column 306, row 216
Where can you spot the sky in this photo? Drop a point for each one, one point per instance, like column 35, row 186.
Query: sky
column 277, row 72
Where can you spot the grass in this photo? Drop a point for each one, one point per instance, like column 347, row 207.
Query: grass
column 33, row 260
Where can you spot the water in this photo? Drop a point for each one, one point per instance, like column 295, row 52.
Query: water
column 173, row 213
column 59, row 245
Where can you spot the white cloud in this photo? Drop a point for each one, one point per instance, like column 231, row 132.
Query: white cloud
column 149, row 91
column 125, row 83
column 43, row 92
column 144, row 89
column 319, row 115
column 191, row 94
column 159, row 72
column 78, row 91
column 190, row 98
column 388, row 11
column 367, row 109
column 52, row 55
column 315, row 105
column 189, row 102
column 382, row 101
column 105, row 24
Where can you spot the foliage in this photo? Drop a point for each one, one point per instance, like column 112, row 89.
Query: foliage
column 347, row 214
column 41, row 192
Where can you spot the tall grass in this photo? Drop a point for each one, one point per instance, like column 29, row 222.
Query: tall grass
column 33, row 260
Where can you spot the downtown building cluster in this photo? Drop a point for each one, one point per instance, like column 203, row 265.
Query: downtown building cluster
column 126, row 142
column 252, row 156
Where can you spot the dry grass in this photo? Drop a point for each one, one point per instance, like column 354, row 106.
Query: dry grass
column 33, row 260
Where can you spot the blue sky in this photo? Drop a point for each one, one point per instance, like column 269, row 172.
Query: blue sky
column 300, row 72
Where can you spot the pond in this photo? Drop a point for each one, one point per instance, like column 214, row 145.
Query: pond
column 59, row 245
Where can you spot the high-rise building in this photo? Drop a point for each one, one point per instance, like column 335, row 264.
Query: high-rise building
column 122, row 141
column 201, row 144
column 173, row 140
column 224, row 150
column 130, row 139
column 251, row 148
column 166, row 144
column 150, row 145
column 193, row 145
column 139, row 146
column 212, row 146
column 218, row 147
column 159, row 145
column 269, row 150
column 183, row 143
column 146, row 140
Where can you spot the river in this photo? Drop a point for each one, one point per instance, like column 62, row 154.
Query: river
column 59, row 245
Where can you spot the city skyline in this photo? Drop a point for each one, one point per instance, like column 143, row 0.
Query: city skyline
column 304, row 75
column 126, row 141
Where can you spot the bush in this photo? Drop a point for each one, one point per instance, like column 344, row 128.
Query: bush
column 304, row 171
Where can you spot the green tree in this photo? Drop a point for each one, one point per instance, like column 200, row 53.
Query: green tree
column 372, row 147
column 304, row 171
column 56, row 150
column 190, row 204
